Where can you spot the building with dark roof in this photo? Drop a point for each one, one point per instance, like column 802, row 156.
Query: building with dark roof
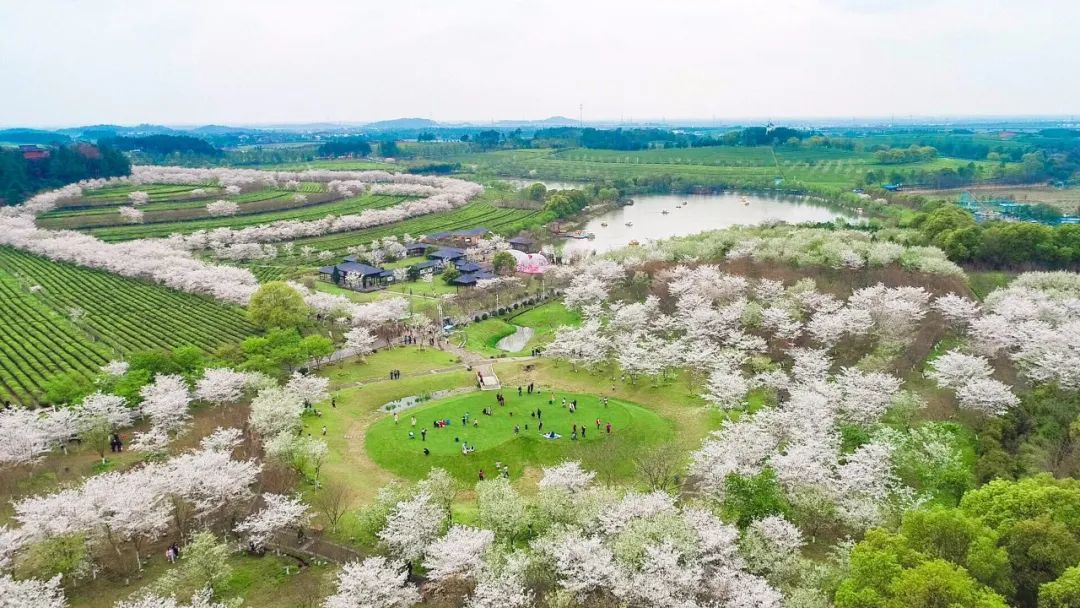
column 523, row 244
column 415, row 248
column 351, row 274
column 447, row 254
column 470, row 279
column 465, row 266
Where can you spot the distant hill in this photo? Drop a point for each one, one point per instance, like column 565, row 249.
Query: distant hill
column 402, row 123
column 32, row 136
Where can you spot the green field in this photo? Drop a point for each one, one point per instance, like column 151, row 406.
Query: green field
column 172, row 210
column 474, row 214
column 495, row 440
column 119, row 316
column 721, row 166
column 483, row 336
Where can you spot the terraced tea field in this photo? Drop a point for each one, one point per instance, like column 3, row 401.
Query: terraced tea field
column 59, row 317
column 173, row 209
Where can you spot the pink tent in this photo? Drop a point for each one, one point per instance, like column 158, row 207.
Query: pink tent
column 529, row 263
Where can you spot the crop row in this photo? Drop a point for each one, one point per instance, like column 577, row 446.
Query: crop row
column 76, row 217
column 278, row 209
column 129, row 315
column 36, row 343
column 470, row 216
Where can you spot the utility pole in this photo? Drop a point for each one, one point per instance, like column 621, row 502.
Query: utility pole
column 581, row 115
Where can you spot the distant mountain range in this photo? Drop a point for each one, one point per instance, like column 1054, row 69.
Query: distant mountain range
column 227, row 135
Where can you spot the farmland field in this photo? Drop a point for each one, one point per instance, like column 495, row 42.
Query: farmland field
column 474, row 214
column 172, row 209
column 80, row 318
column 754, row 167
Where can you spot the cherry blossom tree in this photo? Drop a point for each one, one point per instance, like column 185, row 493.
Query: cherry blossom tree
column 138, row 197
column 771, row 542
column 582, row 563
column 23, row 437
column 412, row 525
column 864, row 396
column 165, row 403
column 568, row 476
column 955, row 369
column 360, row 341
column 957, row 310
column 222, row 208
column 99, row 415
column 222, row 440
column 308, row 387
column 201, row 599
column 274, row 411
column 31, row 593
column 503, row 586
column 458, row 554
column 132, row 215
column 986, row 395
column 281, row 513
column 727, row 388
column 115, row 368
column 373, row 583
column 221, row 385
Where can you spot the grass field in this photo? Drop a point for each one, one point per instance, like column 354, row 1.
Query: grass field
column 41, row 337
column 482, row 337
column 495, row 440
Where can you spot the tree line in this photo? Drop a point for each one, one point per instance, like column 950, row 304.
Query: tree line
column 21, row 177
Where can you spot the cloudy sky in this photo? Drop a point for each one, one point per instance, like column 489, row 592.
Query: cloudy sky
column 65, row 62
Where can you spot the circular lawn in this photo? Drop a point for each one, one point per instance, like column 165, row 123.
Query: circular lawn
column 493, row 437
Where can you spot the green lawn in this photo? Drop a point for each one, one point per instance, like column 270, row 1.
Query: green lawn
column 408, row 359
column 389, row 445
column 481, row 337
column 544, row 319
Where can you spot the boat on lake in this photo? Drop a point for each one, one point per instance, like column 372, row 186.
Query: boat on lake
column 603, row 224
column 629, row 223
column 665, row 212
column 635, row 244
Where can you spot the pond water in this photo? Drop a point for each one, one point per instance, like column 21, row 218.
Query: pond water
column 516, row 341
column 701, row 212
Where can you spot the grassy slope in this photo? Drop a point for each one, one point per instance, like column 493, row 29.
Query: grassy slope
column 482, row 337
column 495, row 441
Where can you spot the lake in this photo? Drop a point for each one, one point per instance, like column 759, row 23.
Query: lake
column 701, row 212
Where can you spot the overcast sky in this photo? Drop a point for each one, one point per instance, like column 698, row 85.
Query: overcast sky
column 67, row 62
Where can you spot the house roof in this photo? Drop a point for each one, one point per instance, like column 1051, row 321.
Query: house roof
column 447, row 253
column 520, row 240
column 478, row 231
column 468, row 266
column 438, row 236
column 426, row 264
column 465, row 279
column 415, row 245
column 326, row 270
column 360, row 269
